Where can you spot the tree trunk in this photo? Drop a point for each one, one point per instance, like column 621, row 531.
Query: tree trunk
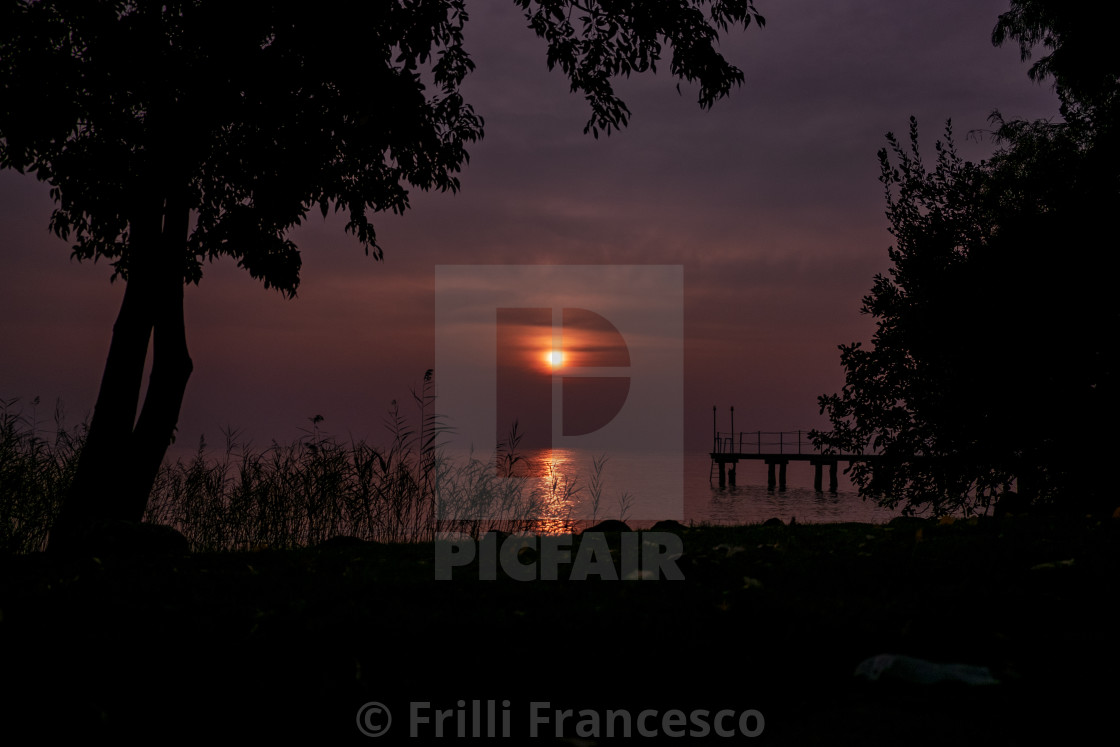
column 122, row 453
column 171, row 364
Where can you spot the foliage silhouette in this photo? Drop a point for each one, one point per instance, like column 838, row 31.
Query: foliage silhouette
column 1079, row 54
column 990, row 366
column 179, row 131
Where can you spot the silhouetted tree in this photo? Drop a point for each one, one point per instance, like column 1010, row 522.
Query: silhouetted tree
column 990, row 365
column 178, row 131
column 1079, row 57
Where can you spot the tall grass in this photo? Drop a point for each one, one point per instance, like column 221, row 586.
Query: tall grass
column 34, row 474
column 511, row 494
column 296, row 494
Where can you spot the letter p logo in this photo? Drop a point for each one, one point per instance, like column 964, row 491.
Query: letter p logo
column 585, row 360
column 533, row 354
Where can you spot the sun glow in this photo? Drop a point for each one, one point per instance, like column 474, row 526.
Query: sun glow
column 555, row 358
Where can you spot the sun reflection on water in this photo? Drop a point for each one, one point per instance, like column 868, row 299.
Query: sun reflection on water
column 554, row 474
column 562, row 486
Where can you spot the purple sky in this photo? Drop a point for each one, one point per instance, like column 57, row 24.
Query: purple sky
column 770, row 201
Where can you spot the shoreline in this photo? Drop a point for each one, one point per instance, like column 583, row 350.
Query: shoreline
column 775, row 619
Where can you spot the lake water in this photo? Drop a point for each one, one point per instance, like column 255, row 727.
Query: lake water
column 649, row 481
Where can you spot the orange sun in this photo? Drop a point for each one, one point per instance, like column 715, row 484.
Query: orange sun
column 555, row 358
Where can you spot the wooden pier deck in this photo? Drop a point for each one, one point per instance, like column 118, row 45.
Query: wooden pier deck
column 777, row 449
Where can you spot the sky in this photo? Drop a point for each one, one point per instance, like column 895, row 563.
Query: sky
column 769, row 202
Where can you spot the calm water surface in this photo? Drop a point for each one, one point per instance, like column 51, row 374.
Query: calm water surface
column 567, row 474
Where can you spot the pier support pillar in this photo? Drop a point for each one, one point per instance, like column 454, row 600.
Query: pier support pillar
column 818, row 475
column 782, row 475
column 722, row 475
column 770, row 475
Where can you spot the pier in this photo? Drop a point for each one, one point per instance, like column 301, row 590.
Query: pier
column 777, row 449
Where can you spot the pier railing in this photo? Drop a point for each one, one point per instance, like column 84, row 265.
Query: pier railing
column 777, row 449
column 764, row 442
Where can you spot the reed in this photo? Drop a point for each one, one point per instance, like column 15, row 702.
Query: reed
column 239, row 497
column 34, row 474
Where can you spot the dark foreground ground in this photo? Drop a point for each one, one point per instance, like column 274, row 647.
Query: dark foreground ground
column 271, row 645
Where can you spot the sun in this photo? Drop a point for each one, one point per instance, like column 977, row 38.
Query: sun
column 555, row 358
